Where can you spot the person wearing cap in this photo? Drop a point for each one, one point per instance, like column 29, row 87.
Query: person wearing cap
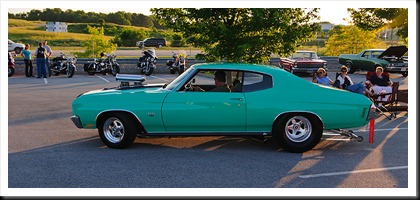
column 322, row 78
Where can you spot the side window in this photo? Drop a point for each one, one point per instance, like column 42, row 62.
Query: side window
column 375, row 54
column 366, row 54
column 255, row 82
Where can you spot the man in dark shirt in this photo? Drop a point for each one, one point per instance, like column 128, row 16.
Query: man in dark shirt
column 41, row 54
column 381, row 84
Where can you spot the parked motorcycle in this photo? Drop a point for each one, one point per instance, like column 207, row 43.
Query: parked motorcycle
column 63, row 64
column 147, row 62
column 11, row 64
column 103, row 65
column 177, row 63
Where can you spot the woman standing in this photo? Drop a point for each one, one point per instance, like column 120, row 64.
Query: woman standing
column 28, row 61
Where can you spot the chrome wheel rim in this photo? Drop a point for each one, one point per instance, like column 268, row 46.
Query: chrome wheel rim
column 113, row 130
column 298, row 129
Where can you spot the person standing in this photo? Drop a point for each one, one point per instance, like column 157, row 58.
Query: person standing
column 48, row 54
column 41, row 54
column 28, row 61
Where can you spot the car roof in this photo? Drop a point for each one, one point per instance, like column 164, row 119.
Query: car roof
column 238, row 66
column 305, row 51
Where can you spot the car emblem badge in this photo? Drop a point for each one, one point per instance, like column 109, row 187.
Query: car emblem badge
column 151, row 114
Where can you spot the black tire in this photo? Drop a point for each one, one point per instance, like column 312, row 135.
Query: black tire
column 172, row 71
column 350, row 68
column 117, row 130
column 70, row 72
column 11, row 71
column 181, row 69
column 297, row 132
column 405, row 74
column 18, row 50
column 116, row 70
column 149, row 72
column 160, row 46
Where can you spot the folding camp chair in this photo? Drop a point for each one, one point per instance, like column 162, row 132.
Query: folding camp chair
column 385, row 105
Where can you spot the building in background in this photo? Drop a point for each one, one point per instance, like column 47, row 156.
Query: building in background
column 56, row 27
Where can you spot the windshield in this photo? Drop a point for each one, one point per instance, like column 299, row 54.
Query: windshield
column 174, row 83
column 305, row 55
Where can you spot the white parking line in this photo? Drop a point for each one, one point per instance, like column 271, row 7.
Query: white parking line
column 352, row 172
column 383, row 129
column 45, row 81
column 102, row 78
column 160, row 78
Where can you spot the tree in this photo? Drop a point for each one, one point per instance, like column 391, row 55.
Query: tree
column 96, row 44
column 241, row 34
column 178, row 40
column 379, row 18
column 129, row 36
column 351, row 39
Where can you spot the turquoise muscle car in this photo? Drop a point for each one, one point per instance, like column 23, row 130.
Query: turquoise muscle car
column 261, row 101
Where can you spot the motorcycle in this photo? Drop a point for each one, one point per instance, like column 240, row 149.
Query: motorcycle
column 63, row 64
column 11, row 64
column 147, row 63
column 107, row 65
column 177, row 63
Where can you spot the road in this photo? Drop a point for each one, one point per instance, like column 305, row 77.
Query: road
column 46, row 150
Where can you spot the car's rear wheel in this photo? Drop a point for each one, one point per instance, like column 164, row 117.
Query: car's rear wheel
column 405, row 74
column 350, row 68
column 298, row 132
column 117, row 130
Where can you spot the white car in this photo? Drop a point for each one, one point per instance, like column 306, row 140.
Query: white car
column 16, row 47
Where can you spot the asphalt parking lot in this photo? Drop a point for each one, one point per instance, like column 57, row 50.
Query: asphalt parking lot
column 46, row 150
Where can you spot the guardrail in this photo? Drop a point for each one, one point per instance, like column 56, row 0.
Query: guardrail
column 129, row 65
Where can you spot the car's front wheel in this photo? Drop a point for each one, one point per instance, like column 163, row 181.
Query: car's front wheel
column 298, row 132
column 117, row 130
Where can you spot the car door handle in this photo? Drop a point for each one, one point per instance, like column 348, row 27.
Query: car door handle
column 236, row 99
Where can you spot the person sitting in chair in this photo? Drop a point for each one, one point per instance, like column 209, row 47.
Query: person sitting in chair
column 322, row 78
column 344, row 81
column 380, row 84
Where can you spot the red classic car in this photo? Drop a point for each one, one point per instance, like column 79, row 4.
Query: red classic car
column 302, row 62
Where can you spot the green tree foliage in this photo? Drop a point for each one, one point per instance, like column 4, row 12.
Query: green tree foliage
column 351, row 40
column 379, row 18
column 97, row 44
column 79, row 16
column 178, row 40
column 129, row 36
column 241, row 34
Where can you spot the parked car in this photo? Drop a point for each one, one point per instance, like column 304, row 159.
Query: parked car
column 391, row 59
column 16, row 47
column 151, row 42
column 261, row 104
column 302, row 62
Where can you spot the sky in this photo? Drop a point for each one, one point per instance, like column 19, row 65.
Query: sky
column 330, row 14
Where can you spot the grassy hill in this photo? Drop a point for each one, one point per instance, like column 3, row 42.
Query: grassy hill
column 32, row 32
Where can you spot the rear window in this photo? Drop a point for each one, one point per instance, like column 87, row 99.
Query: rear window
column 255, row 82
